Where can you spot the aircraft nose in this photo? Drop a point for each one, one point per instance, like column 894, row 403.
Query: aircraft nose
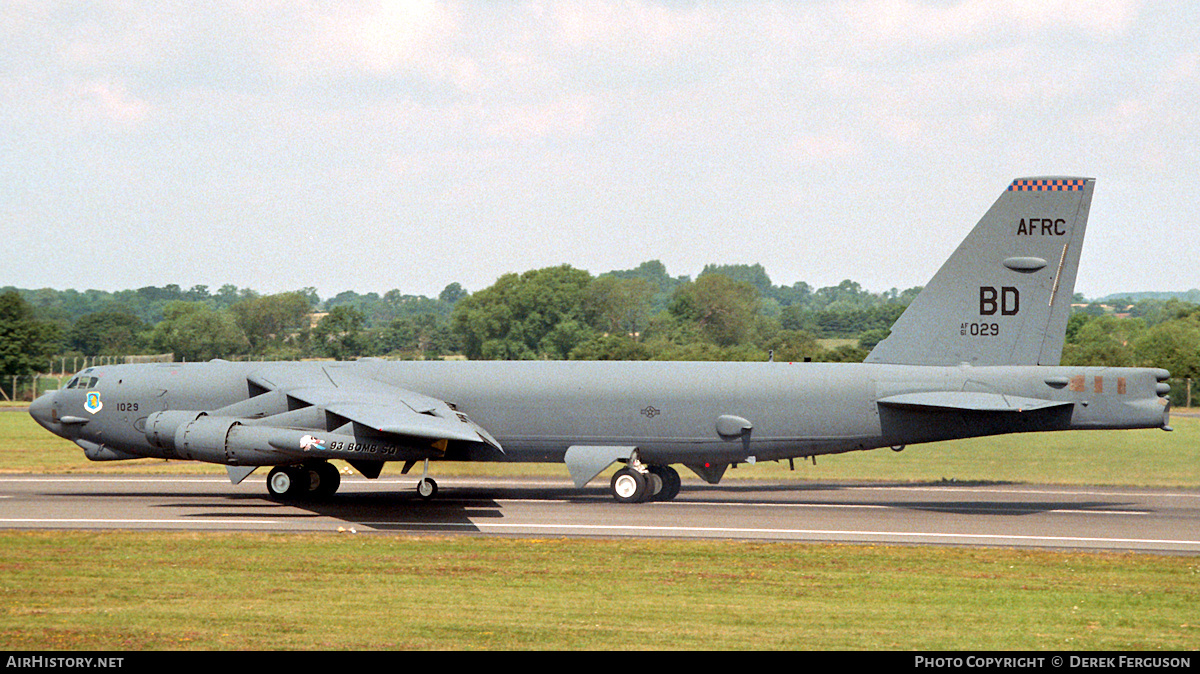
column 42, row 411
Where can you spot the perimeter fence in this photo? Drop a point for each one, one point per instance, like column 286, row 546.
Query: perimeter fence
column 24, row 388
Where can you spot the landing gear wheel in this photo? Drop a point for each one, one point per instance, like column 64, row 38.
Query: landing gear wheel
column 629, row 486
column 670, row 482
column 654, row 486
column 324, row 479
column 426, row 488
column 288, row 482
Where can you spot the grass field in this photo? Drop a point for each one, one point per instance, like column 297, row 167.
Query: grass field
column 250, row 591
column 136, row 591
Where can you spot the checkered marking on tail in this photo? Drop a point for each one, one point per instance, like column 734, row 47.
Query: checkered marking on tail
column 1047, row 185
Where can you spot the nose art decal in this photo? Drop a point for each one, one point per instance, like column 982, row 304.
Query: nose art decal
column 93, row 404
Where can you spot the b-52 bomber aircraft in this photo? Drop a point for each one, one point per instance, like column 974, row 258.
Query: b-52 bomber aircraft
column 976, row 353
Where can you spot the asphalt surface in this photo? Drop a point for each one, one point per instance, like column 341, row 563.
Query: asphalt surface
column 998, row 515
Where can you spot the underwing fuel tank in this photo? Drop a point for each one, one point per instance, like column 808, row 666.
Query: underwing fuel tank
column 230, row 441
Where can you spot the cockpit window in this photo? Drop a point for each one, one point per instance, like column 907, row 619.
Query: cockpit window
column 83, row 382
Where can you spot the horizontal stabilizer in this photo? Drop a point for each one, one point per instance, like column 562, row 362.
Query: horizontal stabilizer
column 968, row 401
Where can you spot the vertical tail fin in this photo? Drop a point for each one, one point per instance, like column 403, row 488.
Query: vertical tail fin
column 1004, row 296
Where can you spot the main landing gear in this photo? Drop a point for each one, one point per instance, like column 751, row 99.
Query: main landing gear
column 320, row 479
column 309, row 480
column 638, row 483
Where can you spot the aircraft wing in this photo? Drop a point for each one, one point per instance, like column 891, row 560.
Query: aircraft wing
column 968, row 401
column 375, row 405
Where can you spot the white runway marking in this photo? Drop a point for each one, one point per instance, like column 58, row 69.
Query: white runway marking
column 900, row 506
column 1030, row 492
column 106, row 479
column 791, row 532
column 94, row 521
column 619, row 528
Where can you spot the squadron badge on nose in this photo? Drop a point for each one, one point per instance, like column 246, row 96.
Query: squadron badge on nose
column 93, row 404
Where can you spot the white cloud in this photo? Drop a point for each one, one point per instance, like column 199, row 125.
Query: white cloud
column 644, row 31
column 380, row 39
column 825, row 146
column 907, row 23
column 111, row 101
column 573, row 117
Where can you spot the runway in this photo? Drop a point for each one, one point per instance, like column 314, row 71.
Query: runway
column 1024, row 516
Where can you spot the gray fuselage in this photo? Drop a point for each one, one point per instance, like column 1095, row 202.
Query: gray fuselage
column 668, row 410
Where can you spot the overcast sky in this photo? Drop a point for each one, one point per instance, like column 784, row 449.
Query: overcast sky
column 375, row 145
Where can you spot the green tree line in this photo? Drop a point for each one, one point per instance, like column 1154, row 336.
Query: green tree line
column 728, row 312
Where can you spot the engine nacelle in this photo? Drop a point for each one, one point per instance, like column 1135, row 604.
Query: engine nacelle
column 225, row 440
column 161, row 426
column 234, row 442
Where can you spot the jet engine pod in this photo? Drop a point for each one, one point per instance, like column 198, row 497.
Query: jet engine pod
column 162, row 426
column 204, row 439
column 218, row 440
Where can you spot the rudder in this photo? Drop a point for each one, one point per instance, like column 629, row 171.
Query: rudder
column 1004, row 296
